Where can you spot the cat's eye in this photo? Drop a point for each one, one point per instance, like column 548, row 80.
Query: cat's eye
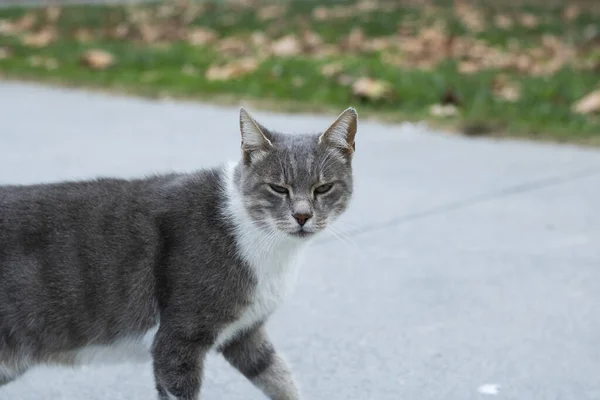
column 279, row 189
column 323, row 188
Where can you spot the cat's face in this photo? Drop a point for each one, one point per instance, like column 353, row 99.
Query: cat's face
column 297, row 184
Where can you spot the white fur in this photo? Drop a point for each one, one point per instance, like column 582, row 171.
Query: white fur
column 273, row 257
column 133, row 350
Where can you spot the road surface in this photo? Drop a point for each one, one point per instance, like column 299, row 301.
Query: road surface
column 471, row 268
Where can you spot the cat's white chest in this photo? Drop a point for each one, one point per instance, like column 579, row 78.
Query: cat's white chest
column 275, row 270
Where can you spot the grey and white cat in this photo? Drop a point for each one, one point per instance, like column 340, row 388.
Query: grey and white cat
column 169, row 266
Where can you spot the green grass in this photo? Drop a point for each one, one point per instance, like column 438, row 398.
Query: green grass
column 296, row 83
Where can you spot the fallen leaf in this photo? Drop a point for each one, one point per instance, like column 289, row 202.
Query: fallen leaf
column 443, row 110
column 320, row 13
column 345, row 80
column 312, row 41
column 40, row 39
column 589, row 104
column 371, row 89
column 468, row 67
column 5, row 53
column 259, row 38
column 83, row 35
column 470, row 16
column 571, row 13
column 233, row 46
column 232, row 70
column 355, row 40
column 23, row 24
column 332, row 69
column 201, row 36
column 98, row 59
column 286, row 46
column 503, row 21
column 52, row 14
column 271, row 12
column 529, row 20
column 505, row 89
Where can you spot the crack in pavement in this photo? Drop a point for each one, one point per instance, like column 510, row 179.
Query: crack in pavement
column 476, row 200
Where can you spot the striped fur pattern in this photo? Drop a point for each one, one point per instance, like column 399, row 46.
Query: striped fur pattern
column 169, row 267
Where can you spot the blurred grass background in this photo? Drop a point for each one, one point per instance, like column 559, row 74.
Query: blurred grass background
column 512, row 68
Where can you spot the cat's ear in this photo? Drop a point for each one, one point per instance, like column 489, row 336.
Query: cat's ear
column 254, row 141
column 342, row 132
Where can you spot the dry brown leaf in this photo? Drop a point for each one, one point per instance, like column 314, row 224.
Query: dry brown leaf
column 150, row 33
column 345, row 80
column 120, row 31
column 332, row 69
column 201, row 36
column 52, row 14
column 589, row 104
column 505, row 89
column 25, row 23
column 286, row 46
column 40, row 39
column 355, row 40
column 232, row 70
column 572, row 12
column 312, row 41
column 443, row 110
column 271, row 12
column 320, row 13
column 233, row 46
column 380, row 43
column 470, row 16
column 503, row 21
column 372, row 89
column 98, row 59
column 529, row 20
column 468, row 67
column 5, row 53
column 259, row 38
column 83, row 35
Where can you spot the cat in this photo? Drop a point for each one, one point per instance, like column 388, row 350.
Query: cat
column 169, row 267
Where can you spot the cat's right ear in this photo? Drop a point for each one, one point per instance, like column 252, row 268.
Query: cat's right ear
column 254, row 141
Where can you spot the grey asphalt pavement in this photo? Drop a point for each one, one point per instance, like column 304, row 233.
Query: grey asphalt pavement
column 471, row 268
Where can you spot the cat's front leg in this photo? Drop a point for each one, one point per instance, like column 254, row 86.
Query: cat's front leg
column 255, row 357
column 178, row 363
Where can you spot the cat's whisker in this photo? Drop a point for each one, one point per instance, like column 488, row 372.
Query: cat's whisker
column 337, row 236
column 351, row 228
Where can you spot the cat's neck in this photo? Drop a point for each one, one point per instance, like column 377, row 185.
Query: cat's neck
column 256, row 244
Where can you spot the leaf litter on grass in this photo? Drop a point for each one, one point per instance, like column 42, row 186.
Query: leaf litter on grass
column 427, row 37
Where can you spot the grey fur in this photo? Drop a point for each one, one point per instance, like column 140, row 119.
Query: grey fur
column 92, row 262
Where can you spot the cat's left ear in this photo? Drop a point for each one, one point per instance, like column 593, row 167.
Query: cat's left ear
column 254, row 141
column 342, row 132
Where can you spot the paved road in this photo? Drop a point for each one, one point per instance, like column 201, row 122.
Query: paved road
column 473, row 267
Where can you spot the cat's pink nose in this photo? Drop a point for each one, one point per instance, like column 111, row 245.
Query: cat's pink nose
column 302, row 218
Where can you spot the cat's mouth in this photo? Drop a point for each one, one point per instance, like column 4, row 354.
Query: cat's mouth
column 302, row 233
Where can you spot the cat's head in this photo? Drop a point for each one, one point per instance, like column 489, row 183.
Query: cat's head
column 297, row 184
